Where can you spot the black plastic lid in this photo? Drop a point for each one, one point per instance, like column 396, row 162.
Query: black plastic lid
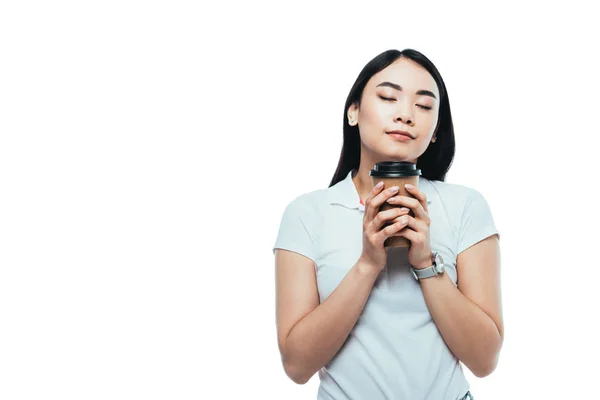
column 394, row 169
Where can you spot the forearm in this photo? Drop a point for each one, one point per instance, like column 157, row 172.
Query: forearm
column 469, row 332
column 317, row 337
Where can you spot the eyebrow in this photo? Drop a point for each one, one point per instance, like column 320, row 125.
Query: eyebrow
column 398, row 87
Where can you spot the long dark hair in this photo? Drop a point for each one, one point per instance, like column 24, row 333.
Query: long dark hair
column 435, row 162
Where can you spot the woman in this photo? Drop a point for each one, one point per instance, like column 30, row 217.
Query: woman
column 351, row 310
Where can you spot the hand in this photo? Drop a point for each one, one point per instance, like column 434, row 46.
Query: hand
column 373, row 252
column 417, row 229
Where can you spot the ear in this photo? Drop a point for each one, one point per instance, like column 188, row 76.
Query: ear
column 353, row 115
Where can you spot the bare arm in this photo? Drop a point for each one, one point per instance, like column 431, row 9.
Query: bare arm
column 469, row 317
column 310, row 334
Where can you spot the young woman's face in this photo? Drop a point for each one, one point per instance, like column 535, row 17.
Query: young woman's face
column 404, row 97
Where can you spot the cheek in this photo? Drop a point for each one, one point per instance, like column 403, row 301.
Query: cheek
column 436, row 118
column 381, row 116
column 372, row 118
column 369, row 111
column 429, row 120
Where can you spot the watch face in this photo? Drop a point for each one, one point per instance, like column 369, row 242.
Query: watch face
column 439, row 263
column 438, row 259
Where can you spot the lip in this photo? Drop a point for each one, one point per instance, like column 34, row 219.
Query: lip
column 400, row 135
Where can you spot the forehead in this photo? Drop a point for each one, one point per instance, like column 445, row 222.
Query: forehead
column 406, row 73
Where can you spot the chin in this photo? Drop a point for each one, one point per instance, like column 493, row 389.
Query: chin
column 385, row 152
column 394, row 157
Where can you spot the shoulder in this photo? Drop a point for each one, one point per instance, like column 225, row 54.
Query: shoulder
column 467, row 212
column 308, row 205
column 454, row 194
column 461, row 202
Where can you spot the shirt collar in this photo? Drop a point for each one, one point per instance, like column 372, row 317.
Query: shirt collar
column 345, row 194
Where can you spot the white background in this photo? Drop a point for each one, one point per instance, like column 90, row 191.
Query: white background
column 148, row 149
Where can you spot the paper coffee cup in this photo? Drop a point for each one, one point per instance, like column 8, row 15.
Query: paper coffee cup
column 395, row 173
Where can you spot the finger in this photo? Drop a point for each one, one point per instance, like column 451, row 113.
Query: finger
column 404, row 211
column 372, row 206
column 416, row 225
column 419, row 195
column 390, row 216
column 411, row 235
column 374, row 192
column 392, row 230
column 412, row 203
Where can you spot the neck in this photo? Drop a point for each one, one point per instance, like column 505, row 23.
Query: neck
column 362, row 182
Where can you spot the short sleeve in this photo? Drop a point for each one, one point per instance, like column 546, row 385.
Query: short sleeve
column 294, row 230
column 477, row 222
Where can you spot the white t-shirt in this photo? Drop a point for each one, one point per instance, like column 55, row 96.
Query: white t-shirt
column 395, row 350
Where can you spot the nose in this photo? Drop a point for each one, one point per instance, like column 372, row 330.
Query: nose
column 404, row 114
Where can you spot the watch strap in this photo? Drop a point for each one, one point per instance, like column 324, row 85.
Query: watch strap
column 432, row 270
column 425, row 272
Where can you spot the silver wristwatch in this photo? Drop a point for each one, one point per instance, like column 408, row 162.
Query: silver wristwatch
column 436, row 269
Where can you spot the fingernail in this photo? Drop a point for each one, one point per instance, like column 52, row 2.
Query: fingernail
column 391, row 199
column 380, row 184
column 409, row 186
column 394, row 189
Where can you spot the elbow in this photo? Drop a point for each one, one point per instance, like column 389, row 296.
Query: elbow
column 295, row 373
column 293, row 366
column 486, row 367
column 484, row 371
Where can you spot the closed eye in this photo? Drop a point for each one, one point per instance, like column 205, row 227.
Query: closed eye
column 418, row 105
